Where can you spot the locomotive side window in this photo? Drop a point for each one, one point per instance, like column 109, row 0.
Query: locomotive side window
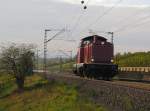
column 86, row 42
column 81, row 44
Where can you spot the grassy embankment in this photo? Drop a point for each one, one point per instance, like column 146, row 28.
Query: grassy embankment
column 41, row 95
column 138, row 59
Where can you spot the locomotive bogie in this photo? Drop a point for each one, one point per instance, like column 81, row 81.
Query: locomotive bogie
column 97, row 71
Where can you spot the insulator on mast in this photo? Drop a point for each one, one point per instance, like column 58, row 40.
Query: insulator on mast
column 82, row 2
column 85, row 7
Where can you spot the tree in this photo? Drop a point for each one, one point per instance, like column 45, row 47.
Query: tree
column 17, row 60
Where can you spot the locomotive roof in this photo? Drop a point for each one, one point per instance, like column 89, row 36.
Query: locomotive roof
column 97, row 36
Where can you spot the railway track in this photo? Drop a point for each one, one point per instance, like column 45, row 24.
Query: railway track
column 139, row 85
column 132, row 80
column 116, row 95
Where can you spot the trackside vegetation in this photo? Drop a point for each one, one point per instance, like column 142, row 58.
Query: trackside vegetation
column 138, row 59
column 42, row 95
column 17, row 60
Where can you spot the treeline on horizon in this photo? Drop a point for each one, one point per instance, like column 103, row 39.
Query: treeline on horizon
column 137, row 59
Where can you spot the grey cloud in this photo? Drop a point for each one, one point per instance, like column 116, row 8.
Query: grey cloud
column 25, row 21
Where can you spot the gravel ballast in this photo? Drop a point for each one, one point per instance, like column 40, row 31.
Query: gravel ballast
column 115, row 97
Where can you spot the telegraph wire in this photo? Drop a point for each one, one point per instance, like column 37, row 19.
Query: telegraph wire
column 79, row 18
column 142, row 23
column 87, row 2
column 105, row 13
column 102, row 15
column 131, row 15
column 76, row 23
column 135, row 26
column 128, row 25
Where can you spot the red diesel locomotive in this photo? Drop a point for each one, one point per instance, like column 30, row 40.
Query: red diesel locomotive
column 95, row 58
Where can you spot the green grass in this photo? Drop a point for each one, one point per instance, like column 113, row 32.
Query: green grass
column 41, row 95
column 7, row 85
column 128, row 105
column 137, row 59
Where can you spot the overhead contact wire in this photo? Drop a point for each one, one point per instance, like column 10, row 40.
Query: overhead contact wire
column 128, row 25
column 79, row 18
column 105, row 13
column 101, row 16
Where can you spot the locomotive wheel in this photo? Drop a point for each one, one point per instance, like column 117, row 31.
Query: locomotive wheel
column 106, row 78
column 81, row 72
column 89, row 73
column 95, row 75
column 75, row 72
column 84, row 72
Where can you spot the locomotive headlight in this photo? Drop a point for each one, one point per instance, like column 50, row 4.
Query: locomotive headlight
column 92, row 60
column 112, row 60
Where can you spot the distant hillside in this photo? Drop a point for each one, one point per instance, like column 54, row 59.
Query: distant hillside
column 138, row 59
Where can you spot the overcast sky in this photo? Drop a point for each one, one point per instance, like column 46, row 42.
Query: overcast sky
column 24, row 21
